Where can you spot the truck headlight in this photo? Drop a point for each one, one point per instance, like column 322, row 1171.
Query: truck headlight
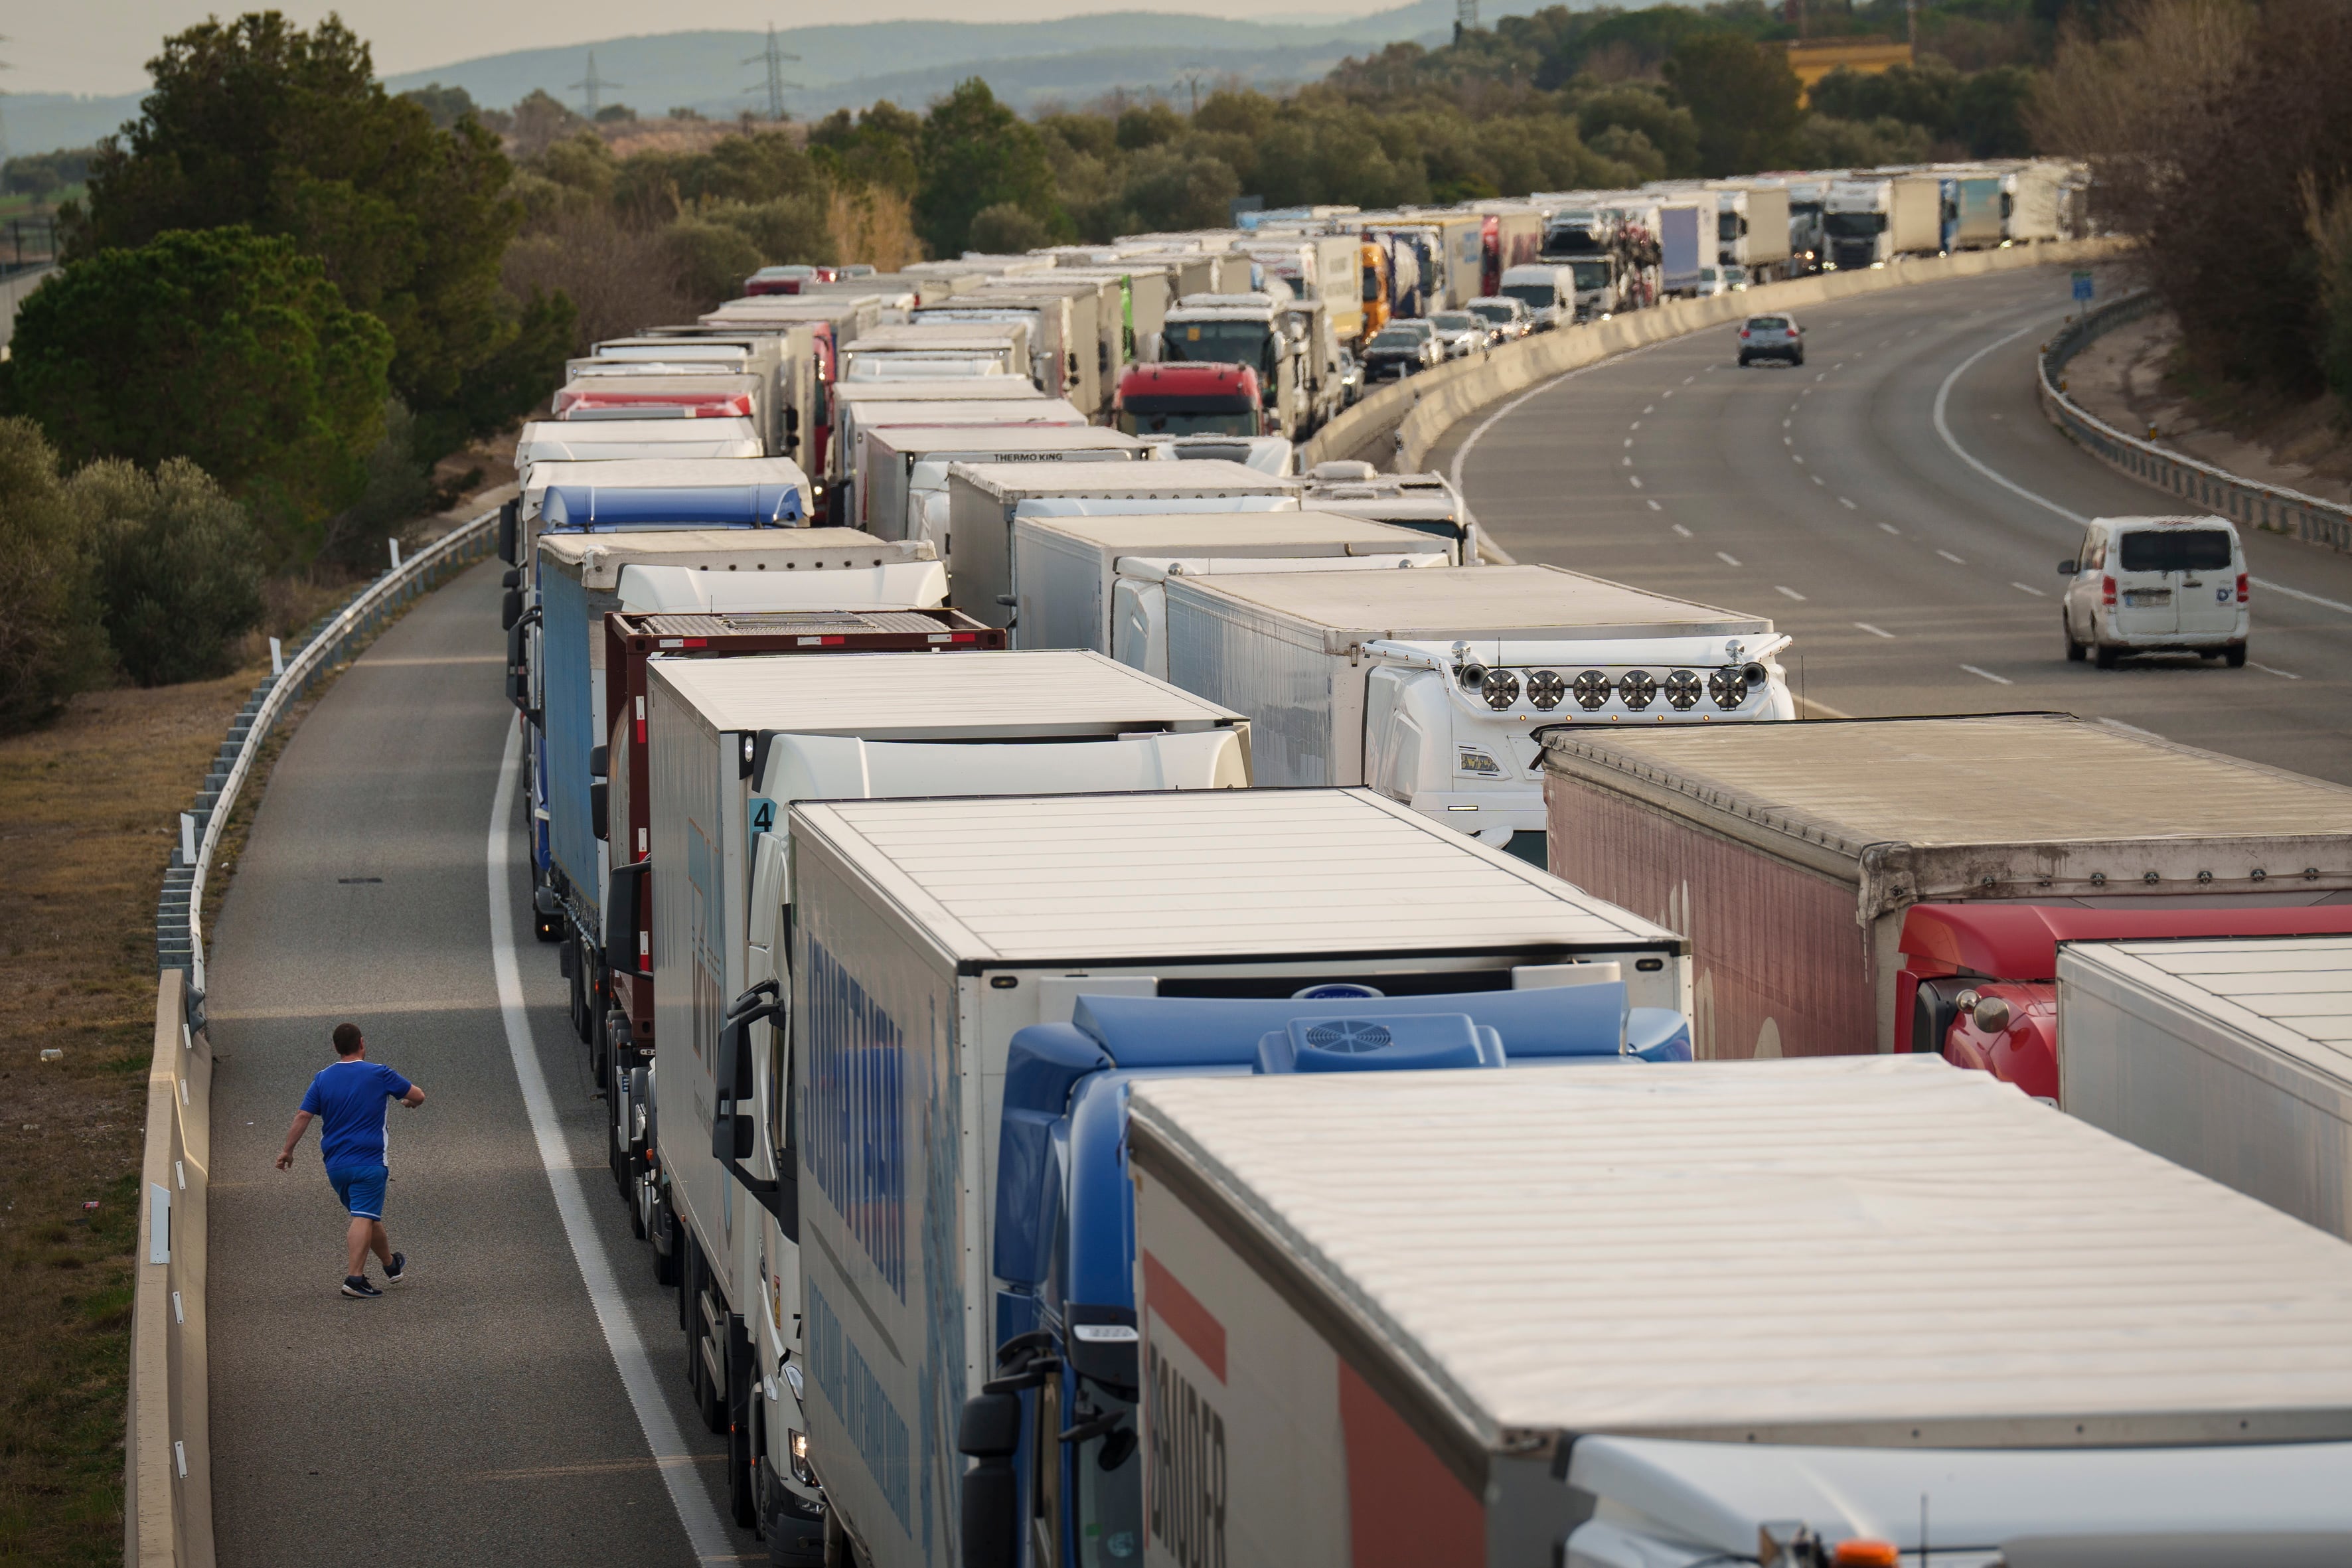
column 1683, row 687
column 1545, row 688
column 1501, row 688
column 1637, row 690
column 1592, row 689
column 801, row 1471
column 1728, row 686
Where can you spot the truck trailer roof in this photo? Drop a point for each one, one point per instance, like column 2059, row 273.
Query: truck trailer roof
column 659, row 473
column 1024, row 436
column 1191, row 873
column 1215, row 533
column 1761, row 1253
column 882, row 694
column 1534, row 601
column 596, row 559
column 1847, row 795
column 1011, row 481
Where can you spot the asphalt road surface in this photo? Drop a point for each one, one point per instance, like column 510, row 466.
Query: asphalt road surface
column 507, row 1404
column 1913, row 579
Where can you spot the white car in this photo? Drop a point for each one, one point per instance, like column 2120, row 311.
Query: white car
column 2157, row 585
column 1462, row 333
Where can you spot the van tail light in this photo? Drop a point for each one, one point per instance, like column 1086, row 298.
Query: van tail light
column 2242, row 587
column 1743, row 331
column 2107, row 590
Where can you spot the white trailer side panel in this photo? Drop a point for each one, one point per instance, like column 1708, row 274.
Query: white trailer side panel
column 2231, row 1057
column 1306, row 702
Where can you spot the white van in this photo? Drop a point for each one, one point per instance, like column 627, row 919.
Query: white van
column 1547, row 291
column 2157, row 585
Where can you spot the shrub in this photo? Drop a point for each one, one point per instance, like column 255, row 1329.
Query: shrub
column 177, row 570
column 50, row 642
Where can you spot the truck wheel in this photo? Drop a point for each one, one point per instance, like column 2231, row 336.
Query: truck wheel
column 2234, row 655
column 599, row 1045
column 2106, row 656
column 2076, row 652
column 665, row 1229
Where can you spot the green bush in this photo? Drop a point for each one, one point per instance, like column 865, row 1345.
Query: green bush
column 224, row 347
column 50, row 643
column 1005, row 230
column 711, row 258
column 176, row 568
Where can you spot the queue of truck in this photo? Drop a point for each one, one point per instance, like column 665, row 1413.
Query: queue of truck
column 931, row 893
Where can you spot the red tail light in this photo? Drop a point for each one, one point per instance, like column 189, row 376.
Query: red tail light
column 1743, row 331
column 2242, row 587
column 2107, row 590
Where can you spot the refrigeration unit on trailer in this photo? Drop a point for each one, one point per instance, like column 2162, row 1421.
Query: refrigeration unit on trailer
column 1427, row 503
column 582, row 577
column 1856, row 886
column 1101, row 582
column 2231, row 1057
column 715, row 477
column 1716, row 1313
column 733, row 743
column 941, row 950
column 1432, row 687
column 902, row 479
column 984, row 499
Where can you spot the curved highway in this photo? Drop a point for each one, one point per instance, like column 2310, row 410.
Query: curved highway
column 521, row 1400
column 1899, row 505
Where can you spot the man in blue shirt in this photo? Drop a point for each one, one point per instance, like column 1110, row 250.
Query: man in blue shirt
column 350, row 1100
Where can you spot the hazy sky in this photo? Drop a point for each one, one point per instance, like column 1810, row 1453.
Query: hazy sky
column 100, row 45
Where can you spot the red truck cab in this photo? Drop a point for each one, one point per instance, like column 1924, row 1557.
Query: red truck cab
column 1978, row 982
column 1187, row 399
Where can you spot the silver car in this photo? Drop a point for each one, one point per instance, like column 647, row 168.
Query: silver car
column 1508, row 319
column 1462, row 333
column 1771, row 337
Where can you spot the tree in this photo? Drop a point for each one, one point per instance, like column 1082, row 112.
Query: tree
column 258, row 123
column 225, row 347
column 1744, row 98
column 1667, row 127
column 977, row 153
column 1005, row 230
column 50, row 643
column 443, row 105
column 177, row 575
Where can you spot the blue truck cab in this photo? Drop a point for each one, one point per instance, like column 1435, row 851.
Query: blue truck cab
column 1058, row 1482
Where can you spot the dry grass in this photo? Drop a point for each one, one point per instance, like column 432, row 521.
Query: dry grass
column 87, row 809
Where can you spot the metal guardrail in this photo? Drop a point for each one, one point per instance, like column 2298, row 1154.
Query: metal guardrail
column 178, row 911
column 2273, row 508
column 167, row 1454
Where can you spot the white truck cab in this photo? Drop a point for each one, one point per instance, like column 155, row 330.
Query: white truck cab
column 2157, row 585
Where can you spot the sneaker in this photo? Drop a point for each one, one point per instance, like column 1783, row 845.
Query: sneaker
column 356, row 1286
column 397, row 1269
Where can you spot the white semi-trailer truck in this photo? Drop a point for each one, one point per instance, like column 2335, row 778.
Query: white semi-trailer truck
column 731, row 744
column 1716, row 1313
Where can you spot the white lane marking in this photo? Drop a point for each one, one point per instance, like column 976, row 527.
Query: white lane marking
column 1874, row 631
column 1629, row 457
column 705, row 1535
column 2029, row 588
column 1678, row 528
column 1727, row 557
column 1847, row 504
column 1471, row 440
column 2267, row 669
column 1637, row 479
column 1944, row 429
column 1822, row 376
column 2267, row 586
column 1663, row 396
column 1629, row 441
column 1807, row 392
column 1785, row 440
column 1655, row 507
column 1796, row 457
column 1952, row 558
column 1989, row 675
column 1820, row 481
column 1789, row 593
column 1892, row 529
column 1687, row 380
column 1784, row 423
column 1652, row 408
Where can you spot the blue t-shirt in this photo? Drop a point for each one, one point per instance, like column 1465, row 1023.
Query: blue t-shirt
column 349, row 1099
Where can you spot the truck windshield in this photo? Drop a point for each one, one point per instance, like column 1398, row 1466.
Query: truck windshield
column 1575, row 241
column 2177, row 550
column 1189, row 420
column 1589, row 274
column 1372, row 295
column 1224, row 342
column 1727, row 225
column 1110, row 1501
column 1855, row 226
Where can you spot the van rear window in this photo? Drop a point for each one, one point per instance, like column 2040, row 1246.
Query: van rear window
column 2177, row 550
column 1768, row 323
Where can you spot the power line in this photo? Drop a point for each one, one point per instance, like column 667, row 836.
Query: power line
column 773, row 57
column 1465, row 18
column 593, row 85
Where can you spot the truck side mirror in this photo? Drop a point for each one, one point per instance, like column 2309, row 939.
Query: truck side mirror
column 509, row 526
column 990, row 1432
column 600, row 762
column 733, row 1134
column 600, row 811
column 511, row 609
column 512, row 578
column 2068, row 568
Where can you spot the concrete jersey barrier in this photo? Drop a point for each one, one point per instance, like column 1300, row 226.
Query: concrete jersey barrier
column 1422, row 408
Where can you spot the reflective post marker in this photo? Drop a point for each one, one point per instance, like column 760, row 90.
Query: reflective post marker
column 277, row 657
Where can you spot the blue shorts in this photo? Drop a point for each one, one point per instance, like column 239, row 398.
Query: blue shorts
column 361, row 1190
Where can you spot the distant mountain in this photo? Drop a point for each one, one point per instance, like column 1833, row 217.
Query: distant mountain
column 721, row 74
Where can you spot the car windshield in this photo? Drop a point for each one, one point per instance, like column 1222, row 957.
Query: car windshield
column 1456, row 322
column 1492, row 312
column 1768, row 323
column 1222, row 342
column 2177, row 550
column 1402, row 341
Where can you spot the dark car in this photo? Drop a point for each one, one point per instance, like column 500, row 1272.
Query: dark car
column 1397, row 352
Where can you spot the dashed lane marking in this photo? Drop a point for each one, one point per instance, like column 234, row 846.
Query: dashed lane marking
column 1727, row 557
column 1874, row 631
column 1989, row 675
column 2029, row 588
column 1788, row 592
column 1952, row 558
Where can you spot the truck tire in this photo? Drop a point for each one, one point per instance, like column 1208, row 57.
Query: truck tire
column 665, row 1269
column 600, row 1040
